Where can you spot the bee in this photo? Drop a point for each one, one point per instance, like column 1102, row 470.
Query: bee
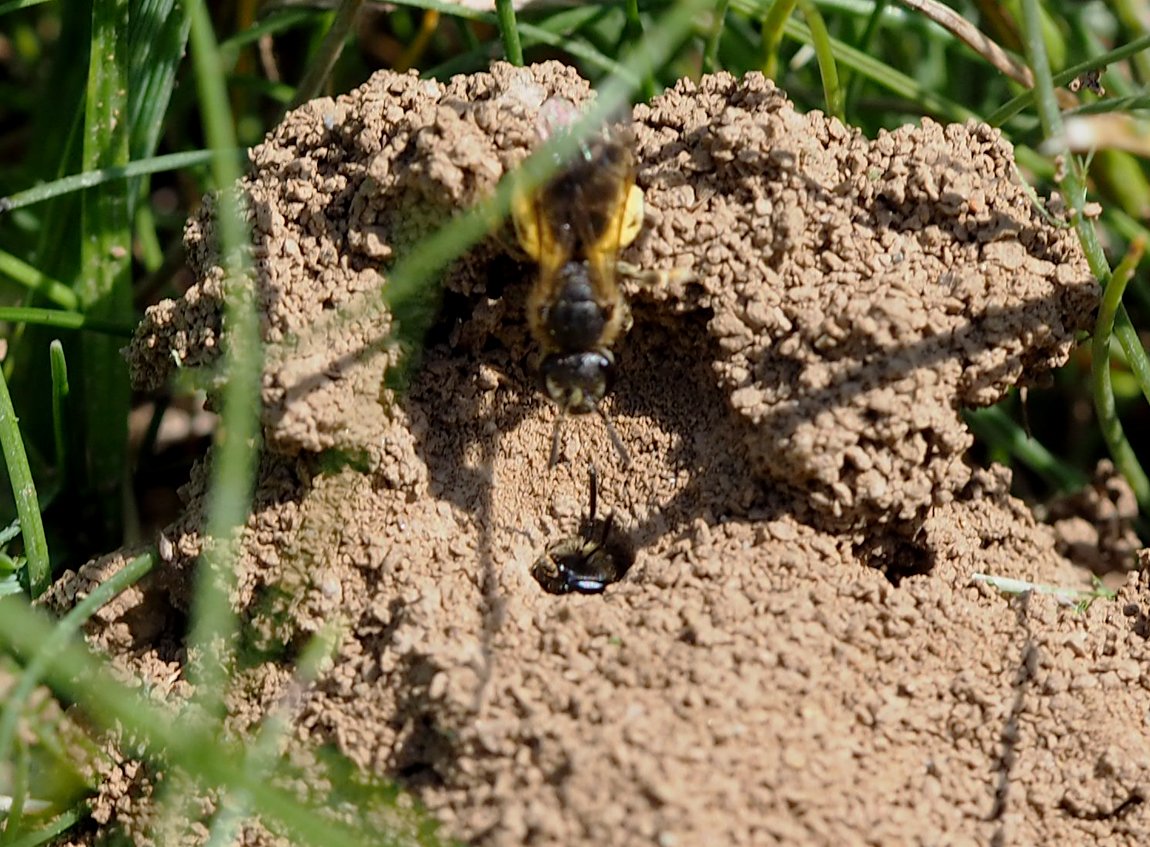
column 573, row 226
column 588, row 562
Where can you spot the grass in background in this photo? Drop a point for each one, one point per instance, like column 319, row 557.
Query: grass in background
column 117, row 115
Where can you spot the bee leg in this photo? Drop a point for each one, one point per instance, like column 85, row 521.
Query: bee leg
column 624, row 456
column 632, row 216
column 556, row 431
column 657, row 279
column 605, row 532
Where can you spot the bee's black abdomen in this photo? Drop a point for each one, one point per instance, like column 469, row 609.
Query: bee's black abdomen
column 575, row 321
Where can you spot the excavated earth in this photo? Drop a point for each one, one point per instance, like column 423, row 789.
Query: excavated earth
column 799, row 654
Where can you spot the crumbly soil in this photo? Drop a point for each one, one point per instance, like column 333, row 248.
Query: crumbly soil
column 799, row 654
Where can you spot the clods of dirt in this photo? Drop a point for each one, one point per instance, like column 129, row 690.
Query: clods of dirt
column 798, row 654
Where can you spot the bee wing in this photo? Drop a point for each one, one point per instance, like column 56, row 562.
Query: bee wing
column 540, row 241
column 602, row 248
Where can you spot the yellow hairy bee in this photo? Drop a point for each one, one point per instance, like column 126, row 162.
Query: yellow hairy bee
column 573, row 226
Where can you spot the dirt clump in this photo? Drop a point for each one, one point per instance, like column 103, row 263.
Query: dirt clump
column 1095, row 526
column 798, row 654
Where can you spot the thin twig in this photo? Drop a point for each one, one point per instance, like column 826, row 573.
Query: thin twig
column 329, row 51
column 972, row 37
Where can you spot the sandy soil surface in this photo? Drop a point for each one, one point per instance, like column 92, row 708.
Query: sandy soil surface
column 798, row 654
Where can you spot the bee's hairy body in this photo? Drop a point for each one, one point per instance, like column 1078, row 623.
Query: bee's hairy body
column 574, row 227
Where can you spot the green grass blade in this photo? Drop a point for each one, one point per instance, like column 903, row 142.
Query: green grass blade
column 24, row 492
column 1128, row 337
column 1045, row 99
column 996, row 428
column 821, row 40
column 1116, row 321
column 234, row 453
column 1073, row 187
column 1131, row 103
column 631, row 37
column 854, row 82
column 1131, row 343
column 19, row 778
column 16, row 5
column 878, row 72
column 101, row 176
column 509, row 32
column 23, row 274
column 59, row 825
column 105, row 269
column 157, row 39
column 633, row 23
column 1121, row 451
column 59, row 131
column 45, row 651
column 60, row 415
column 148, row 239
column 1130, row 228
column 774, row 21
column 711, row 53
column 65, row 320
column 274, row 23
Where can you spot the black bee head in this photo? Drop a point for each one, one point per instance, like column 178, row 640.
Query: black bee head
column 578, row 381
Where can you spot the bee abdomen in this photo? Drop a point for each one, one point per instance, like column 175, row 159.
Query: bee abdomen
column 575, row 321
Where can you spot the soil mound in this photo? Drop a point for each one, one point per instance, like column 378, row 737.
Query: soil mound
column 798, row 654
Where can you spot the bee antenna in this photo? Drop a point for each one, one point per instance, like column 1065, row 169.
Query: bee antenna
column 594, row 494
column 624, row 456
column 607, row 524
column 556, row 431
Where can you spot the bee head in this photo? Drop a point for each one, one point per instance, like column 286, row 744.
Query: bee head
column 578, row 381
